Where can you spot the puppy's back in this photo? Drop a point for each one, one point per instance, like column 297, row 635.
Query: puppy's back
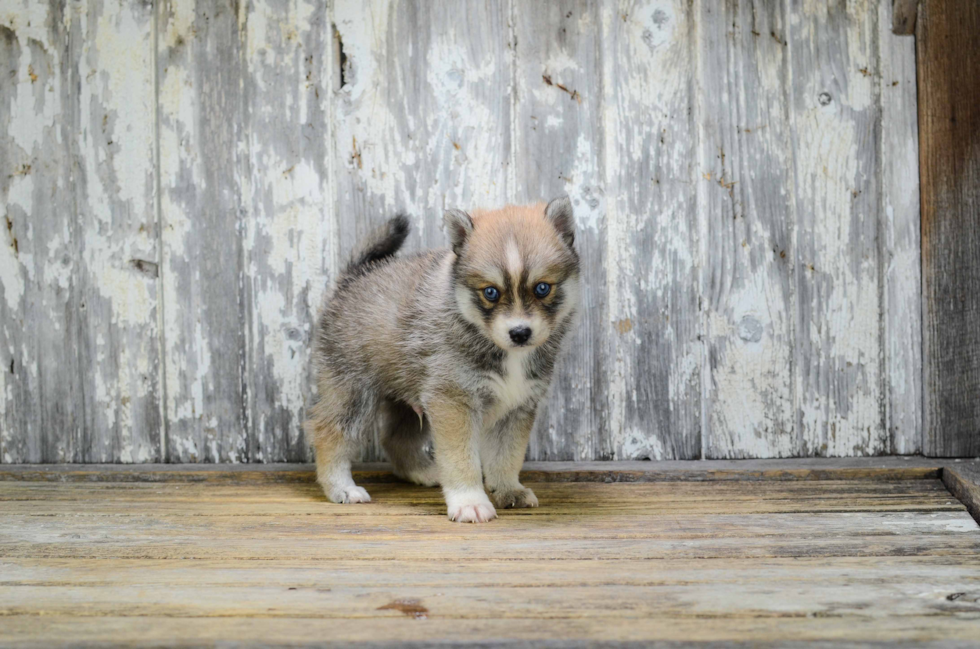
column 380, row 302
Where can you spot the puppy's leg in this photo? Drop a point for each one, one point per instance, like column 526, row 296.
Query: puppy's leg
column 458, row 459
column 502, row 451
column 333, row 451
column 405, row 438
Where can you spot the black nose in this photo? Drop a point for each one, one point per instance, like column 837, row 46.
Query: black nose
column 520, row 335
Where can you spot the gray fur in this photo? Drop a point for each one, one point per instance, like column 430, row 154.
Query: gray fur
column 458, row 226
column 559, row 212
column 394, row 346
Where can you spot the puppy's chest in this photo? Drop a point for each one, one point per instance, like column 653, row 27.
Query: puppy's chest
column 512, row 388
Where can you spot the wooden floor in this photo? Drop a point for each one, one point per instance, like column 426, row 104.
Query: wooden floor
column 269, row 562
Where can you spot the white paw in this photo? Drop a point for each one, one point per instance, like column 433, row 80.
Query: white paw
column 475, row 508
column 351, row 494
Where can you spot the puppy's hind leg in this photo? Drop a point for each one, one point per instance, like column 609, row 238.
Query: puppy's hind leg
column 407, row 439
column 333, row 450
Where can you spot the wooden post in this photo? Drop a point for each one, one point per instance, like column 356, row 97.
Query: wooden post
column 903, row 16
column 949, row 163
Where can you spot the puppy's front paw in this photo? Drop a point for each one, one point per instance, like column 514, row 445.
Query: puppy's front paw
column 351, row 494
column 471, row 508
column 514, row 498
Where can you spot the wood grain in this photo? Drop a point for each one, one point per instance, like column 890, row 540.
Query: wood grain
column 288, row 232
column 843, row 561
column 181, row 181
column 835, row 119
column 401, row 631
column 653, row 367
column 806, row 469
column 963, row 481
column 949, row 163
column 748, row 300
column 114, row 182
column 203, row 143
column 903, row 16
column 40, row 408
column 899, row 228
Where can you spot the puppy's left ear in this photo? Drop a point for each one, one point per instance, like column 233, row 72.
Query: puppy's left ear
column 559, row 214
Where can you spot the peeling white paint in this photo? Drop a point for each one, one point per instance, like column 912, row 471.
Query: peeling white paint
column 429, row 119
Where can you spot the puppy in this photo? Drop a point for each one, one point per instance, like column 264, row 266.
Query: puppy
column 449, row 351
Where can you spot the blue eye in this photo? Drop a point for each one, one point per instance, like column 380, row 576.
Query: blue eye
column 542, row 289
column 491, row 294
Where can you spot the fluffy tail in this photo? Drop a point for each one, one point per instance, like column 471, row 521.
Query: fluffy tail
column 380, row 244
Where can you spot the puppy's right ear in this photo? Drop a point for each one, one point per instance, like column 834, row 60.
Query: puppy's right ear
column 459, row 226
column 559, row 213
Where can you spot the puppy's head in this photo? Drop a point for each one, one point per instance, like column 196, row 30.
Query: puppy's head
column 516, row 271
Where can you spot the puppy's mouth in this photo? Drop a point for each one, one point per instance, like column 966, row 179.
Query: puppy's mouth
column 528, row 344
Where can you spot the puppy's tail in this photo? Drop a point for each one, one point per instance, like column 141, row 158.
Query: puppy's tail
column 380, row 244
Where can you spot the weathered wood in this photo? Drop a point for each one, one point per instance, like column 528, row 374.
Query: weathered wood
column 903, row 16
column 114, row 182
column 576, row 521
column 448, row 130
column 963, row 481
column 559, row 498
column 949, row 163
column 451, row 600
column 877, row 468
column 290, row 572
column 834, row 116
column 695, row 561
column 747, row 231
column 203, row 147
column 408, row 632
column 283, row 132
column 289, row 230
column 557, row 114
column 652, row 369
column 40, row 414
column 899, row 230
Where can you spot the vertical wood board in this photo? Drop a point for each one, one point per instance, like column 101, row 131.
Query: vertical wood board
column 41, row 401
column 748, row 228
column 114, row 183
column 949, row 163
column 288, row 234
column 899, row 228
column 202, row 212
column 654, row 354
column 834, row 116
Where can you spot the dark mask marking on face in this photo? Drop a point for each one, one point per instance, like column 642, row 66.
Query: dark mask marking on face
column 553, row 306
column 486, row 356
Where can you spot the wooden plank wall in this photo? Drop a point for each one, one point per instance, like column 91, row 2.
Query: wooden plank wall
column 949, row 61
column 180, row 181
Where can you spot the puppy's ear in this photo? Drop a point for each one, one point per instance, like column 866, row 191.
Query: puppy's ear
column 459, row 226
column 559, row 214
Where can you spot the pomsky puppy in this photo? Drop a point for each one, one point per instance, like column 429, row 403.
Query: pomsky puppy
column 448, row 351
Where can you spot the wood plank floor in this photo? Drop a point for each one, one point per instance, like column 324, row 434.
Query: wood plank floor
column 271, row 563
